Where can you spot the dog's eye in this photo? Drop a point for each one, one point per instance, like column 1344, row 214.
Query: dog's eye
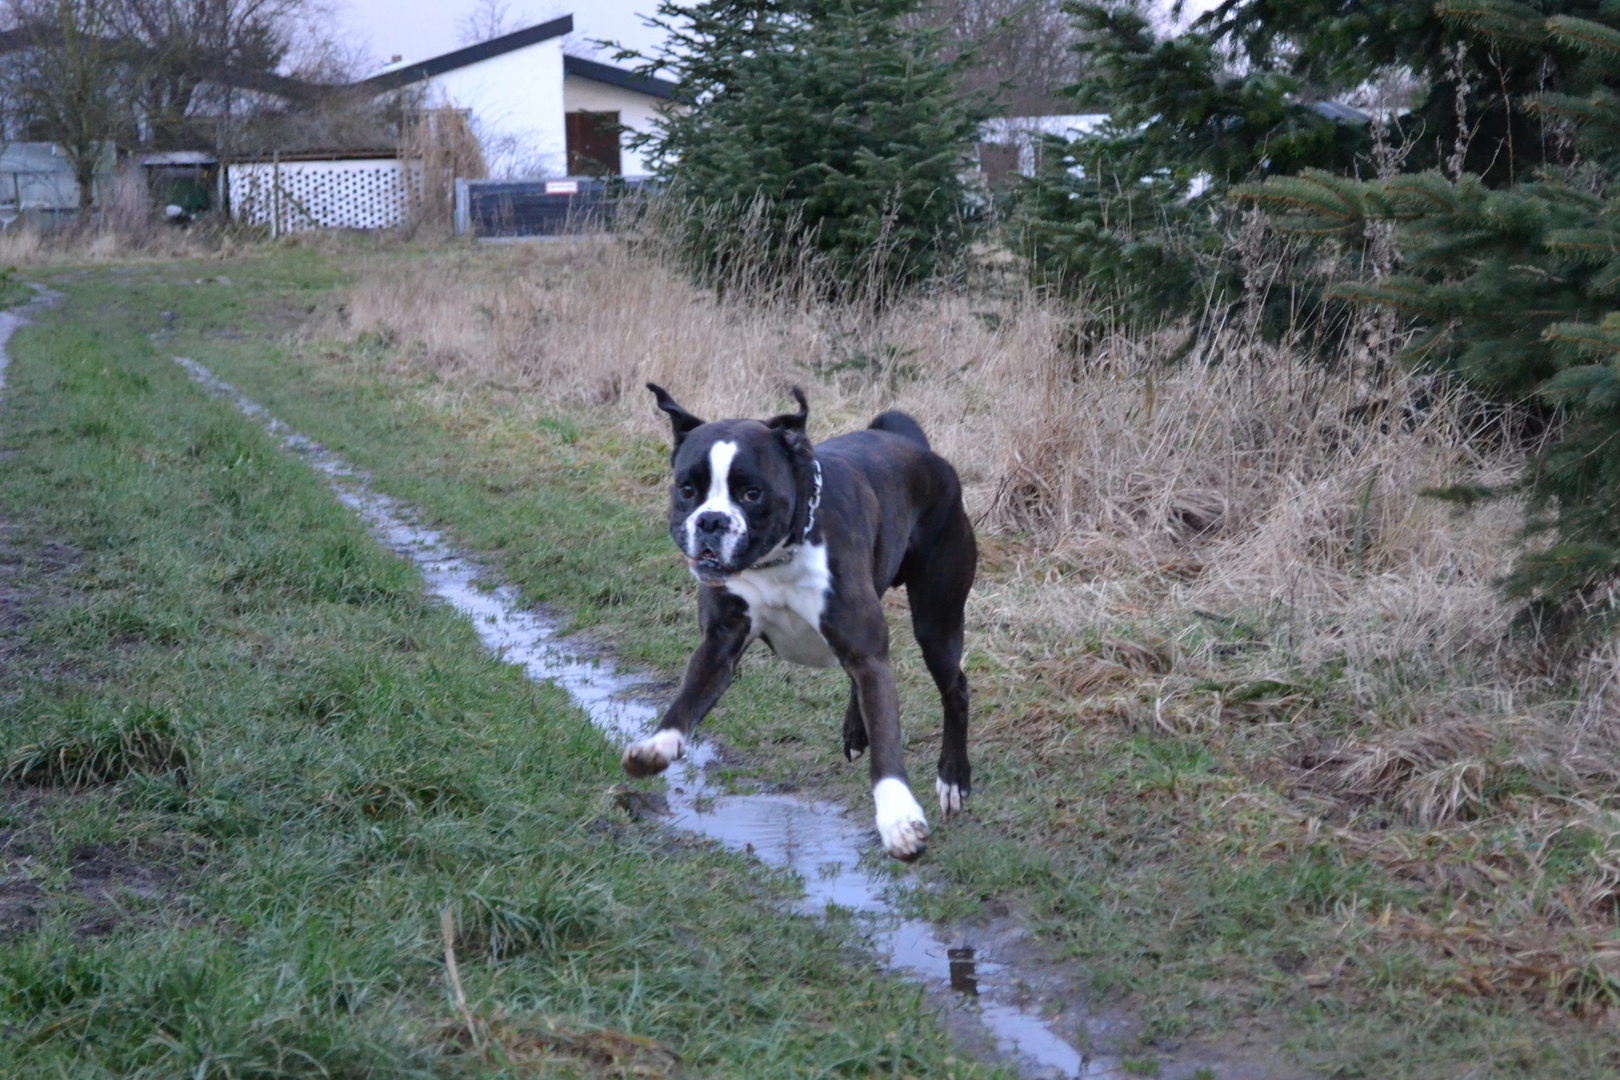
column 688, row 491
column 751, row 495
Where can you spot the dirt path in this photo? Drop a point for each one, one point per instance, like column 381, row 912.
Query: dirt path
column 1000, row 997
column 355, row 769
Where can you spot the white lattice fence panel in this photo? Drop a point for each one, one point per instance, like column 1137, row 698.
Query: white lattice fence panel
column 320, row 194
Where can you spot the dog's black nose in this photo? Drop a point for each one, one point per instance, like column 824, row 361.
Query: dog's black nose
column 710, row 523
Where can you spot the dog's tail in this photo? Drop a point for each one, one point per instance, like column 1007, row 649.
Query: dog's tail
column 896, row 422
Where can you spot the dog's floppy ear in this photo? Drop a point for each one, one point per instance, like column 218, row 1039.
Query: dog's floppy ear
column 792, row 421
column 682, row 421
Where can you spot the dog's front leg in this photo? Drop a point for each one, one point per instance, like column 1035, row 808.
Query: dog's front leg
column 900, row 820
column 725, row 636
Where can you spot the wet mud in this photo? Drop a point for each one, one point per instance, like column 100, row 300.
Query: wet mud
column 103, row 888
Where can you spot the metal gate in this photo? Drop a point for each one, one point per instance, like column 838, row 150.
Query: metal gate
column 568, row 207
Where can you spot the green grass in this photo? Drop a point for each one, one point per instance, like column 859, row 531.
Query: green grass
column 249, row 765
column 1155, row 862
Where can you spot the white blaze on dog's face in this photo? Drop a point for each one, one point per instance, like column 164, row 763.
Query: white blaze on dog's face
column 722, row 520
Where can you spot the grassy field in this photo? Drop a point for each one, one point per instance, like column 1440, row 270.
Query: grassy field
column 282, row 715
column 248, row 766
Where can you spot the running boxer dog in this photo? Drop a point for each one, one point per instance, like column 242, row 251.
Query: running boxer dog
column 795, row 545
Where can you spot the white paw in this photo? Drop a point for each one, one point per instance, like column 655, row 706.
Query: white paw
column 950, row 798
column 654, row 753
column 900, row 820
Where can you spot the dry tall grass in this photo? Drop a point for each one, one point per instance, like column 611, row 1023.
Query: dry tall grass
column 1182, row 545
column 440, row 144
column 125, row 236
column 1238, row 479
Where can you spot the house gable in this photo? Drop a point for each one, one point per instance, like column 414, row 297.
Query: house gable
column 423, row 70
column 647, row 85
column 519, row 89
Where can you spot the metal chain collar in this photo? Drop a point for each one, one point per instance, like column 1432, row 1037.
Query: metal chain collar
column 815, row 502
column 783, row 552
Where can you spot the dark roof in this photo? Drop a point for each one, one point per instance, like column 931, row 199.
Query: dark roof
column 582, row 68
column 472, row 54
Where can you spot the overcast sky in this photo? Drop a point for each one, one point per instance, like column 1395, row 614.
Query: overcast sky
column 418, row 29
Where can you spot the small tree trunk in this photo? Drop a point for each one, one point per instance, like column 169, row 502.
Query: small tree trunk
column 85, row 175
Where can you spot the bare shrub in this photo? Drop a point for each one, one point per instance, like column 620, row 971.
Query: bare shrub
column 440, row 143
column 130, row 208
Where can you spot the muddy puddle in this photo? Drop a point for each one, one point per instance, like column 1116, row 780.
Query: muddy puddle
column 985, row 997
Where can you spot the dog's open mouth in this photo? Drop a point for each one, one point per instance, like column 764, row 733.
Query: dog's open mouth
column 707, row 566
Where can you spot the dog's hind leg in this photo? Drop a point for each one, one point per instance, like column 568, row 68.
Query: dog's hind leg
column 937, row 590
column 942, row 652
column 854, row 727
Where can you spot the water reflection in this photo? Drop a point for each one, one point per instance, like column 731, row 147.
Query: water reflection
column 963, row 978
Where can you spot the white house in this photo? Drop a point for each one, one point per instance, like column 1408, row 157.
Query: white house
column 536, row 111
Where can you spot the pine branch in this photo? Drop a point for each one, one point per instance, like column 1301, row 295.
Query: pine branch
column 1586, row 338
column 1502, row 21
column 1588, row 245
column 1318, row 203
column 1592, row 38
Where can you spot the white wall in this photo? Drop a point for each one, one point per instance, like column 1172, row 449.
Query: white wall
column 636, row 112
column 516, row 102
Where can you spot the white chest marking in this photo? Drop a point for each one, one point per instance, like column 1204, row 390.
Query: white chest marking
column 785, row 604
column 719, row 501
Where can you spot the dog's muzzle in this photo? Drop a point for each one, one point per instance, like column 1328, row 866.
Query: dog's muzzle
column 713, row 541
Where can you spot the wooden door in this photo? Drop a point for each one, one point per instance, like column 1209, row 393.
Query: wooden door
column 593, row 143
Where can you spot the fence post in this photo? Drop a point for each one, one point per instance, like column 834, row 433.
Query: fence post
column 275, row 194
column 463, row 220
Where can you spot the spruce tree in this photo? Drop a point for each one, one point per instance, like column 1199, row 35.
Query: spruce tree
column 837, row 123
column 1140, row 210
column 1137, row 212
column 1515, row 287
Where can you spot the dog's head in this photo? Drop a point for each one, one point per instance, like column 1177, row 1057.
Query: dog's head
column 742, row 488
